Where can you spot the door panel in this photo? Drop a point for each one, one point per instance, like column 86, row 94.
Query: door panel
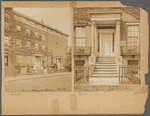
column 106, row 39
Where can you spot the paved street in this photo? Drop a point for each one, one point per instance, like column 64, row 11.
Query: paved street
column 52, row 82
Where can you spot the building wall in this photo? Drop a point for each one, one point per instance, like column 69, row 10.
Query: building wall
column 88, row 36
column 123, row 37
column 53, row 40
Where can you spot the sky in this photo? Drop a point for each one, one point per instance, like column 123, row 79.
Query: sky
column 59, row 18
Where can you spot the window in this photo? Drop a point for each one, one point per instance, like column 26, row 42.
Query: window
column 18, row 42
column 36, row 34
column 28, row 44
column 7, row 16
column 6, row 60
column 6, row 26
column 18, row 58
column 80, row 36
column 18, row 28
column 43, row 47
column 79, row 62
column 28, row 59
column 133, row 62
column 51, row 49
column 36, row 45
column 132, row 37
column 51, row 60
column 17, row 18
column 27, row 31
column 43, row 37
column 113, row 43
column 7, row 41
column 62, row 60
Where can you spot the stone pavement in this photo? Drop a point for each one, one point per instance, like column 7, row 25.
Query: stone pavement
column 104, row 81
column 25, row 77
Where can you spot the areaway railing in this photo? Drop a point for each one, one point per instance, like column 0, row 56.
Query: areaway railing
column 129, row 74
column 81, row 74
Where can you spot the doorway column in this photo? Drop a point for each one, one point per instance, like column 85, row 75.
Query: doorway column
column 100, row 45
column 96, row 41
column 118, row 37
column 93, row 38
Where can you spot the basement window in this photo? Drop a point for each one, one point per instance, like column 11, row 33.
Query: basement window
column 133, row 62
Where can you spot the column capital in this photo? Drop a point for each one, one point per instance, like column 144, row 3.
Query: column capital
column 93, row 23
column 118, row 22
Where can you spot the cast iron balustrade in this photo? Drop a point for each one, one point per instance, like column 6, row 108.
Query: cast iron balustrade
column 82, row 50
column 130, row 50
column 129, row 74
column 81, row 74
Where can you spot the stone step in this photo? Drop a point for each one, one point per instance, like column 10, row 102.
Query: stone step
column 105, row 60
column 105, row 57
column 105, row 64
column 105, row 70
column 112, row 67
column 104, row 76
column 105, row 73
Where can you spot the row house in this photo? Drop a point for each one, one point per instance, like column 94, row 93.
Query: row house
column 107, row 38
column 31, row 46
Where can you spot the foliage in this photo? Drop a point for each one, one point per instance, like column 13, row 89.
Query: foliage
column 68, row 62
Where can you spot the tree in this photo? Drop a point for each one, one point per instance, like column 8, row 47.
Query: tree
column 68, row 62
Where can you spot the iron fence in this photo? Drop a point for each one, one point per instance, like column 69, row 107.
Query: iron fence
column 129, row 74
column 81, row 74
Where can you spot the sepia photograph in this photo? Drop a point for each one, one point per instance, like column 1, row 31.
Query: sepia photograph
column 107, row 52
column 37, row 49
column 74, row 57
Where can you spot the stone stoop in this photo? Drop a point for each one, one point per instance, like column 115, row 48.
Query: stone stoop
column 105, row 67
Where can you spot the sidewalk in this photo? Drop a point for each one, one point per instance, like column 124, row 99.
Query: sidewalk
column 24, row 77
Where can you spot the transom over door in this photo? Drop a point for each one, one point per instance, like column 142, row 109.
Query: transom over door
column 106, row 44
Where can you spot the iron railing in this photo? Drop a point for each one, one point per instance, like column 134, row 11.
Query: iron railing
column 129, row 74
column 82, row 50
column 81, row 74
column 129, row 50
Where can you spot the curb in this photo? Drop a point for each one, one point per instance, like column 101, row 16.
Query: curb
column 35, row 77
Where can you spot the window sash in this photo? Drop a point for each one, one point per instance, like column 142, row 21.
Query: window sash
column 43, row 37
column 132, row 36
column 18, row 28
column 18, row 42
column 18, row 59
column 43, row 47
column 36, row 45
column 36, row 34
column 80, row 32
column 80, row 41
column 27, row 31
column 28, row 44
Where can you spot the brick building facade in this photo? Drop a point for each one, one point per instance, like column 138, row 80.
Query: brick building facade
column 31, row 46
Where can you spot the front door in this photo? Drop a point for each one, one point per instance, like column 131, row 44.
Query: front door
column 37, row 61
column 106, row 44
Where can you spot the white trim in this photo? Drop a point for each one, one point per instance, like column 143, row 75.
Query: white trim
column 132, row 23
column 105, row 19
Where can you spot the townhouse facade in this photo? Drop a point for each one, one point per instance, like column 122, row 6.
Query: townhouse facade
column 106, row 38
column 31, row 46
